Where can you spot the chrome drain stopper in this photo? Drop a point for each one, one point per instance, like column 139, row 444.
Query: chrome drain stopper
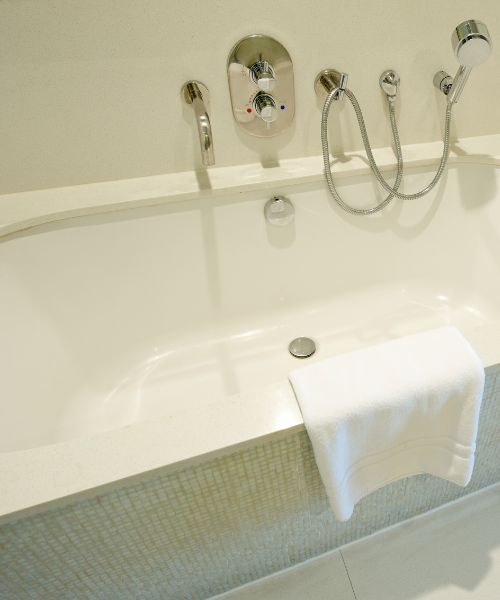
column 302, row 347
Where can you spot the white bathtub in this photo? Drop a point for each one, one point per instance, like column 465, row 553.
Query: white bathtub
column 112, row 319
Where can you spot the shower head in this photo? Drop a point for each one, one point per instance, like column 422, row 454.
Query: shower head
column 471, row 43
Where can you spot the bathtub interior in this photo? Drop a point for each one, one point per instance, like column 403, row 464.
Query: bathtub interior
column 115, row 318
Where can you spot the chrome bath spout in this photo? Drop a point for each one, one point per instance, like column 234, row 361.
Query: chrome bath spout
column 197, row 95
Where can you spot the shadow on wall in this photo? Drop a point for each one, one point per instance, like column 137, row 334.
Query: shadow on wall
column 477, row 187
column 280, row 237
column 267, row 148
column 220, row 353
column 470, row 183
column 210, row 256
column 490, row 236
column 203, row 179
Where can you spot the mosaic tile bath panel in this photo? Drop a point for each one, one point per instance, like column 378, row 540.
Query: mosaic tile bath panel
column 207, row 529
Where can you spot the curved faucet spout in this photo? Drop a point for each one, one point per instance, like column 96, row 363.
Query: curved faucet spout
column 193, row 95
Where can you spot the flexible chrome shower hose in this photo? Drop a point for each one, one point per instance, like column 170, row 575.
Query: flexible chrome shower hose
column 392, row 191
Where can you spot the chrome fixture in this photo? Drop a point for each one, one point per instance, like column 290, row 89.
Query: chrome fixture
column 263, row 75
column 197, row 95
column 265, row 106
column 260, row 73
column 472, row 45
column 302, row 347
column 326, row 84
column 389, row 81
column 329, row 80
column 443, row 82
column 279, row 211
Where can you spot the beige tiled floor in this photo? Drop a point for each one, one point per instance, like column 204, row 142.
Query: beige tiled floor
column 450, row 554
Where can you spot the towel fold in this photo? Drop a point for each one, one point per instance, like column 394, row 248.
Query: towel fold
column 400, row 408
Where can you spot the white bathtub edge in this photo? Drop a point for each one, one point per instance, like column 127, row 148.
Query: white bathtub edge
column 38, row 479
column 23, row 210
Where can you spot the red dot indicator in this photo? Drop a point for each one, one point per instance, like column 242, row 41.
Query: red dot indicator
column 249, row 110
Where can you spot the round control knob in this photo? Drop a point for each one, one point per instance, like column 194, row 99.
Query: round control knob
column 263, row 75
column 265, row 107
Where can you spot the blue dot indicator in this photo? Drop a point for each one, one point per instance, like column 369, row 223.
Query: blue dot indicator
column 282, row 107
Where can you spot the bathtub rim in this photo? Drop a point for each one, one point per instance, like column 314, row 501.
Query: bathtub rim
column 47, row 477
column 23, row 210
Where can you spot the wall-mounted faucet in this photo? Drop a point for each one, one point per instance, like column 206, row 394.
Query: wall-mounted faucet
column 197, row 95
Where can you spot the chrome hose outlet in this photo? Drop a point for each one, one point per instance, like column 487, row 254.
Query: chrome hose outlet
column 389, row 81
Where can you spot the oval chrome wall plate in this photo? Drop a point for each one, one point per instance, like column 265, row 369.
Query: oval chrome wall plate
column 252, row 55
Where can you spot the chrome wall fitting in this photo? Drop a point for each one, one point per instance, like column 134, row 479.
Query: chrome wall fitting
column 471, row 43
column 197, row 95
column 443, row 82
column 279, row 211
column 327, row 81
column 260, row 73
column 263, row 75
column 265, row 107
column 389, row 81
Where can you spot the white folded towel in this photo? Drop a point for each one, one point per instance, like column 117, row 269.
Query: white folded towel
column 390, row 411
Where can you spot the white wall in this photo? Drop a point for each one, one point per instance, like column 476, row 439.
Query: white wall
column 89, row 91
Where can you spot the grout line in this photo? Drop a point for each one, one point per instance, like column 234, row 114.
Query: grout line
column 348, row 576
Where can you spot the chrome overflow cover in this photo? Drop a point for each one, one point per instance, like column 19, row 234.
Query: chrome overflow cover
column 279, row 211
column 302, row 347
